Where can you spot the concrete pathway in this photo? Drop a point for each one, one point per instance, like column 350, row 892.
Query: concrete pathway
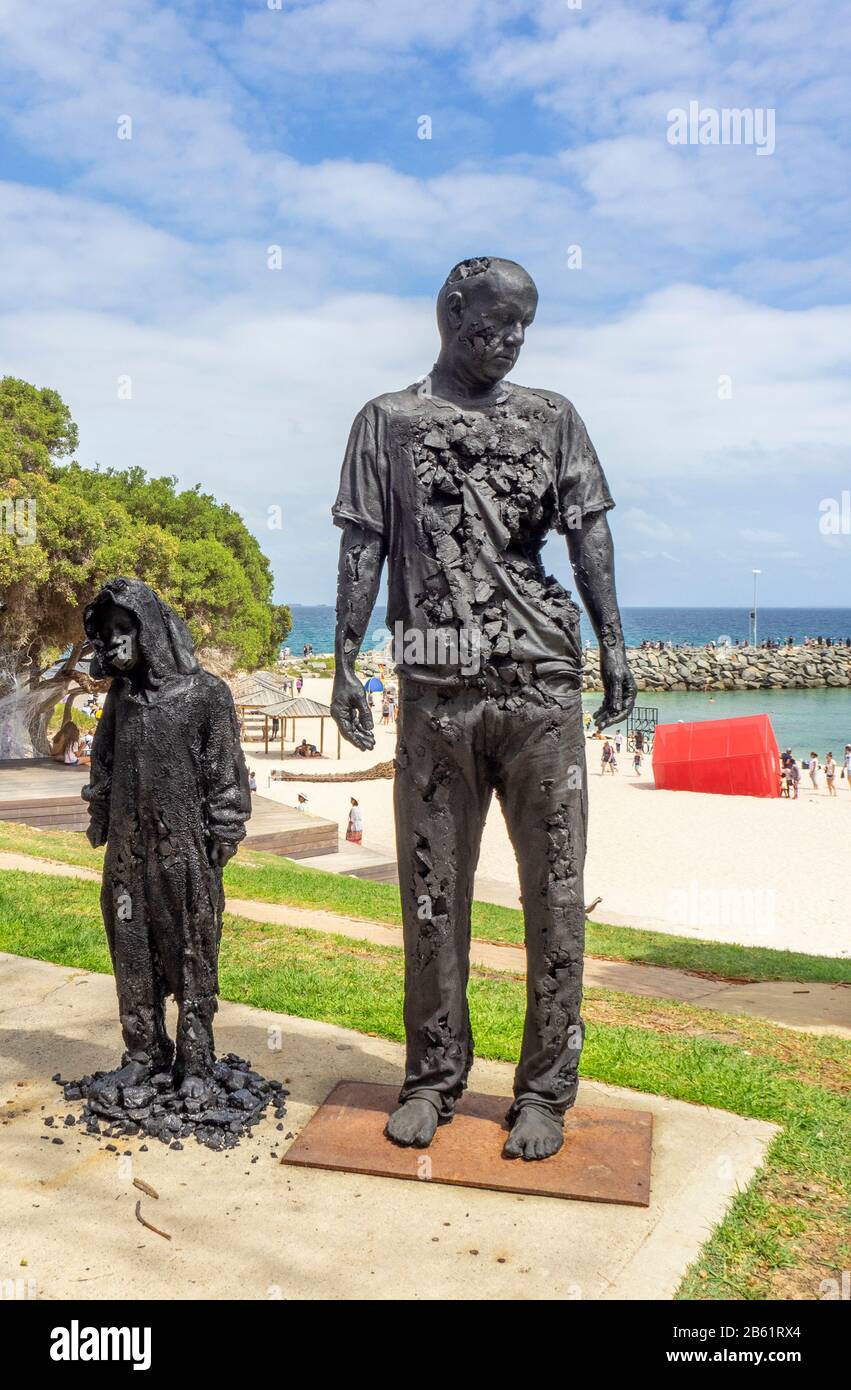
column 362, row 861
column 810, row 1008
column 33, row 865
column 243, row 1227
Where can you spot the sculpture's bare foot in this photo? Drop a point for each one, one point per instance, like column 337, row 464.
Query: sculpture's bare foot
column 413, row 1123
column 194, row 1088
column 534, row 1134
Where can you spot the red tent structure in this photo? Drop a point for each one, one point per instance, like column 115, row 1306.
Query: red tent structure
column 735, row 757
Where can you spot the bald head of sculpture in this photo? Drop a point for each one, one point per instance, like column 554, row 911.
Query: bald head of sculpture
column 483, row 310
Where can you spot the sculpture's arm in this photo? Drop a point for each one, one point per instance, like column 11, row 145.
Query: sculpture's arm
column 358, row 578
column 592, row 555
column 228, row 795
column 99, row 788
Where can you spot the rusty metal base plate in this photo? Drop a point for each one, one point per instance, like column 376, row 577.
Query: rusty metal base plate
column 605, row 1158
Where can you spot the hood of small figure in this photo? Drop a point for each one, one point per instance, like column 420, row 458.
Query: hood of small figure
column 165, row 641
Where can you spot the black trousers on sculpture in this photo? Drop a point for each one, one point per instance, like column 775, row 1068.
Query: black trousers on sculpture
column 163, row 920
column 455, row 749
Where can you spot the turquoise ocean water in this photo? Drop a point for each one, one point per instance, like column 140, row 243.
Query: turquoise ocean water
column 802, row 719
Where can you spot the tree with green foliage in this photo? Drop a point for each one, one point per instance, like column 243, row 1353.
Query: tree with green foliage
column 36, row 427
column 65, row 529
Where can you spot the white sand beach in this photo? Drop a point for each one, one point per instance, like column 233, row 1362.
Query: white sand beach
column 723, row 868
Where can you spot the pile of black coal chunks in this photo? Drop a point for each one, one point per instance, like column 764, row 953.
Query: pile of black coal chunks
column 237, row 1100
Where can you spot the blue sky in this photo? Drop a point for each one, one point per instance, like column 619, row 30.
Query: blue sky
column 705, row 338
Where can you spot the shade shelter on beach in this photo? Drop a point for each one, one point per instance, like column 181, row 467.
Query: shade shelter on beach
column 295, row 709
column 263, row 688
column 255, row 693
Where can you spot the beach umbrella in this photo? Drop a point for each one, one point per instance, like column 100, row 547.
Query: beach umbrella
column 373, row 684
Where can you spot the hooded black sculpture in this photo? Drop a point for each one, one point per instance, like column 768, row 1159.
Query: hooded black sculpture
column 169, row 796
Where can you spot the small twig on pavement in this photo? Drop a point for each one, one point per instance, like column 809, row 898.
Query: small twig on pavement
column 140, row 1218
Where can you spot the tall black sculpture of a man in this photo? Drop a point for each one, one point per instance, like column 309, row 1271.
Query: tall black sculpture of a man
column 456, row 482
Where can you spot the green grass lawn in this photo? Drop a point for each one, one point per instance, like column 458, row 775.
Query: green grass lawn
column 781, row 1237
column 268, row 877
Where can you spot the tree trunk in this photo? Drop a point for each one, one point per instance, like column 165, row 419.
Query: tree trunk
column 47, row 691
column 38, row 721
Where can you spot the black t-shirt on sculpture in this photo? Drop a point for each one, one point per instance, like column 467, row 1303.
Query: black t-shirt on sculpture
column 464, row 500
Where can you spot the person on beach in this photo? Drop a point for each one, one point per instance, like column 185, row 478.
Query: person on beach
column 830, row 774
column 813, row 768
column 61, row 739
column 68, row 748
column 846, row 765
column 298, row 685
column 636, row 761
column 793, row 777
column 354, row 830
column 252, row 781
column 606, row 758
column 74, row 752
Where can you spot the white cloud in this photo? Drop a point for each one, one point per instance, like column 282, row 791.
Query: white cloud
column 210, row 156
column 637, row 520
column 648, row 385
column 757, row 537
column 340, row 36
column 644, row 557
column 151, row 261
column 611, row 74
column 255, row 404
column 595, row 64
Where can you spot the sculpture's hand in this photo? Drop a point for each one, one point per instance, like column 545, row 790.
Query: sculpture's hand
column 618, row 687
column 219, row 852
column 351, row 712
column 96, row 834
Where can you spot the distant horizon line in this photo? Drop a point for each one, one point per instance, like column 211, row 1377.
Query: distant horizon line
column 663, row 607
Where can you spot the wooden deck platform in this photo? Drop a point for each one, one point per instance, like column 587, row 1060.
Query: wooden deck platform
column 284, row 830
column 46, row 794
column 43, row 793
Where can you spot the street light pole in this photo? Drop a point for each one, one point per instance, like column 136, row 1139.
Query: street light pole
column 755, row 573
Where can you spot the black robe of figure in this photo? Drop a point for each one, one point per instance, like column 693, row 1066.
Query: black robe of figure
column 168, row 779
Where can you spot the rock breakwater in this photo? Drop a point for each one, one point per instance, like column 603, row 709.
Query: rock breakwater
column 731, row 668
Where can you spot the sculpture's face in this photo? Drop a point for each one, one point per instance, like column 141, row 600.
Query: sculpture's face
column 489, row 315
column 118, row 630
